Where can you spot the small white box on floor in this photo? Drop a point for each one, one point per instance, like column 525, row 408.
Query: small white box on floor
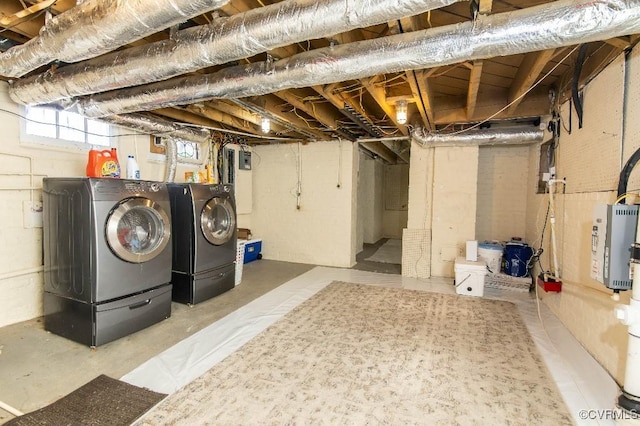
column 472, row 250
column 470, row 277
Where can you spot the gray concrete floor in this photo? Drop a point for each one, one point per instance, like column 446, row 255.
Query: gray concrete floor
column 37, row 367
column 366, row 265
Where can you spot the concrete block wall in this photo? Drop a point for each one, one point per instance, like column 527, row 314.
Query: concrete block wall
column 454, row 206
column 323, row 229
column 503, row 173
column 590, row 158
column 416, row 238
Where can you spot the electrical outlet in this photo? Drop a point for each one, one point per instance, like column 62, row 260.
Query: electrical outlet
column 32, row 214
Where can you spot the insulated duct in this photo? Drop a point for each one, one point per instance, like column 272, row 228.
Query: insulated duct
column 499, row 136
column 159, row 127
column 547, row 26
column 171, row 149
column 95, row 27
column 240, row 36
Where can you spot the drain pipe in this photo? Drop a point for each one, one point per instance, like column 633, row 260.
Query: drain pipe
column 225, row 40
column 557, row 24
column 629, row 315
column 95, row 27
column 499, row 136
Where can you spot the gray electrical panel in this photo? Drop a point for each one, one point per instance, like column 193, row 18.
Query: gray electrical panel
column 244, row 160
column 612, row 234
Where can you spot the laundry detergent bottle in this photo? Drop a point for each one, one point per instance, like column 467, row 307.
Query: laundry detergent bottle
column 103, row 163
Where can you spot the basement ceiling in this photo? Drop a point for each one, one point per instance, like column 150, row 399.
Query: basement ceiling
column 497, row 88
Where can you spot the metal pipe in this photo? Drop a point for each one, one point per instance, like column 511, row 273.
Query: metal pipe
column 95, row 27
column 159, row 127
column 171, row 150
column 547, row 26
column 499, row 136
column 240, row 36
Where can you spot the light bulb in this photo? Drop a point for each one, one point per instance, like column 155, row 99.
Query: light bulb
column 401, row 111
column 266, row 125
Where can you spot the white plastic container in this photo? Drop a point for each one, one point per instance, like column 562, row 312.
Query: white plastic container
column 492, row 254
column 470, row 277
column 239, row 260
column 133, row 171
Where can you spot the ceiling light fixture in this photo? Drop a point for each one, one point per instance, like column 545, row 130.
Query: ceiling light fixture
column 401, row 111
column 266, row 124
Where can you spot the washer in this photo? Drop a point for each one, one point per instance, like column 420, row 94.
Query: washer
column 107, row 257
column 204, row 244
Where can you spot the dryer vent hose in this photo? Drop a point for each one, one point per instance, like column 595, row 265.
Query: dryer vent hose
column 171, row 152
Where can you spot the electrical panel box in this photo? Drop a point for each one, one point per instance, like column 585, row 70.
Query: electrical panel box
column 244, row 160
column 236, row 170
column 612, row 234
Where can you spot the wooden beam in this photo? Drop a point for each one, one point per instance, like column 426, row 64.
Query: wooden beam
column 380, row 150
column 14, row 19
column 272, row 104
column 322, row 112
column 241, row 113
column 530, row 68
column 474, row 86
column 621, row 43
column 379, row 95
column 485, row 7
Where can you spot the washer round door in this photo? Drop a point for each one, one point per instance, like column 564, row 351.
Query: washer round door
column 138, row 230
column 218, row 221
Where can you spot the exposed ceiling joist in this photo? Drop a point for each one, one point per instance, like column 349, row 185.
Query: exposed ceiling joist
column 531, row 67
column 474, row 87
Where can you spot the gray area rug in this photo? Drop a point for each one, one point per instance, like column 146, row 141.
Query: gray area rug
column 101, row 402
column 358, row 354
column 389, row 252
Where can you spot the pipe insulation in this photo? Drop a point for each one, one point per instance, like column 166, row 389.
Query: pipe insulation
column 557, row 24
column 226, row 39
column 159, row 127
column 498, row 136
column 95, row 27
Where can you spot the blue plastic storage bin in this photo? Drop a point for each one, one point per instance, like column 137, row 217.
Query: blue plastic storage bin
column 252, row 250
column 516, row 258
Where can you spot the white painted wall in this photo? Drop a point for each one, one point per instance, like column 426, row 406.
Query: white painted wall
column 373, row 199
column 503, row 173
column 396, row 200
column 590, row 158
column 323, row 229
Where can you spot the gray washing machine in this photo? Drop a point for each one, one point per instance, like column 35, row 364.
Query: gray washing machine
column 107, row 257
column 204, row 240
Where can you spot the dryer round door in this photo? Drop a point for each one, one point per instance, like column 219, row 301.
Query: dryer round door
column 138, row 230
column 218, row 221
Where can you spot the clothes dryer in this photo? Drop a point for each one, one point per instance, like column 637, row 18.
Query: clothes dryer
column 204, row 243
column 107, row 257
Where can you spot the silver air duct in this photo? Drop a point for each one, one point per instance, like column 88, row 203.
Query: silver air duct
column 239, row 36
column 171, row 150
column 96, row 27
column 499, row 136
column 159, row 127
column 553, row 25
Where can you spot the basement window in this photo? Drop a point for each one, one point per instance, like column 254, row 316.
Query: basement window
column 187, row 151
column 62, row 128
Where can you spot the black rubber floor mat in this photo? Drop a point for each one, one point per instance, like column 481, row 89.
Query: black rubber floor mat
column 102, row 401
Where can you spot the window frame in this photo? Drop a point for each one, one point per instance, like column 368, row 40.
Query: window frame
column 61, row 143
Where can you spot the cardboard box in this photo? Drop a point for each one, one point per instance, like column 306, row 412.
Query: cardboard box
column 244, row 234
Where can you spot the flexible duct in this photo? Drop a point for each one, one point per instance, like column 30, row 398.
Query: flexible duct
column 159, row 127
column 239, row 36
column 96, row 27
column 171, row 150
column 499, row 136
column 542, row 27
